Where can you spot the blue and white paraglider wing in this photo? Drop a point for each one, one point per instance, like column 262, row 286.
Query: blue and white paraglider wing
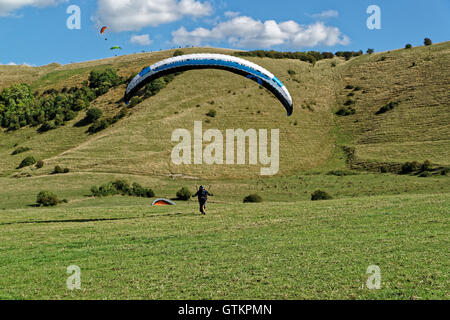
column 212, row 61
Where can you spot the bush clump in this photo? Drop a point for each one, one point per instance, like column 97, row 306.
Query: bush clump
column 46, row 199
column 426, row 165
column 211, row 113
column 349, row 102
column 253, row 198
column 140, row 191
column 39, row 164
column 122, row 187
column 28, row 161
column 178, row 53
column 20, row 150
column 102, row 81
column 134, row 102
column 59, row 170
column 92, row 115
column 184, row 194
column 427, row 42
column 346, row 111
column 310, row 56
column 408, row 46
column 390, row 106
column 410, row 167
column 98, row 126
column 320, row 195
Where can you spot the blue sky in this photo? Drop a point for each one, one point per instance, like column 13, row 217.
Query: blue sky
column 35, row 32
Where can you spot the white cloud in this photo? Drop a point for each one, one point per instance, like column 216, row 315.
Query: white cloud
column 7, row 7
column 16, row 64
column 245, row 32
column 232, row 14
column 133, row 15
column 326, row 14
column 142, row 40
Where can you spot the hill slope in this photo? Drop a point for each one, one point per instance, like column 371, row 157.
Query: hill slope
column 141, row 144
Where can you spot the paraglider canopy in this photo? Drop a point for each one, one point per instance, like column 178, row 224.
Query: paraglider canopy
column 103, row 29
column 116, row 48
column 163, row 202
column 212, row 61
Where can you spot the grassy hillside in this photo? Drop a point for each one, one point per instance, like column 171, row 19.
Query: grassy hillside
column 416, row 130
column 419, row 128
column 239, row 104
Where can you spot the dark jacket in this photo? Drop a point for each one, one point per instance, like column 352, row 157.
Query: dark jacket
column 202, row 195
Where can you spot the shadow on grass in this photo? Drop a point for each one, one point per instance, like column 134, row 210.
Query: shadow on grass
column 82, row 123
column 98, row 219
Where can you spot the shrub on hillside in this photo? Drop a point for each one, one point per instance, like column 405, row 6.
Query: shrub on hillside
column 134, row 102
column 320, row 195
column 47, row 126
column 20, row 150
column 346, row 111
column 104, row 190
column 39, row 164
column 349, row 102
column 427, row 42
column 122, row 187
column 388, row 107
column 408, row 46
column 311, row 56
column 28, row 161
column 349, row 54
column 212, row 113
column 60, row 170
column 154, row 87
column 426, row 165
column 140, row 191
column 410, row 167
column 121, row 114
column 46, row 199
column 370, row 51
column 184, row 194
column 253, row 198
column 101, row 81
column 98, row 126
column 178, row 53
column 291, row 72
column 92, row 115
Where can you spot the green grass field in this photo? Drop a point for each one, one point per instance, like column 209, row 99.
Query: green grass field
column 297, row 250
column 287, row 247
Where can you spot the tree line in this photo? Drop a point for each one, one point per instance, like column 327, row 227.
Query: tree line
column 20, row 107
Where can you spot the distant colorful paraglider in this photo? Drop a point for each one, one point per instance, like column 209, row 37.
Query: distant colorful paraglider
column 116, row 48
column 103, row 30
